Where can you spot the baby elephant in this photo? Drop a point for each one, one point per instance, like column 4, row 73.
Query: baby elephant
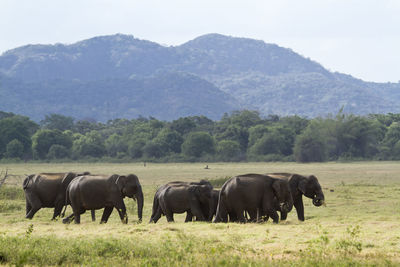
column 97, row 192
column 183, row 197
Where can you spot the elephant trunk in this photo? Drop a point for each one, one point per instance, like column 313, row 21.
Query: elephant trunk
column 318, row 199
column 140, row 201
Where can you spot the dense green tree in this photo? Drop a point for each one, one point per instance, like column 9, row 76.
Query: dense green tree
column 58, row 152
column 270, row 143
column 310, row 146
column 85, row 126
column 153, row 150
column 183, row 125
column 235, row 133
column 135, row 147
column 295, row 123
column 115, row 144
column 169, row 140
column 43, row 139
column 4, row 115
column 90, row 144
column 18, row 128
column 390, row 147
column 198, row 143
column 228, row 150
column 245, row 118
column 57, row 122
column 14, row 149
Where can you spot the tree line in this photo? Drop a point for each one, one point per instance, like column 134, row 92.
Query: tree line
column 238, row 136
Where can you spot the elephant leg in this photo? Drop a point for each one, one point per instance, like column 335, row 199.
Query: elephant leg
column 221, row 214
column 239, row 210
column 77, row 215
column 59, row 204
column 196, row 211
column 35, row 203
column 93, row 212
column 28, row 207
column 233, row 217
column 156, row 216
column 254, row 215
column 274, row 215
column 189, row 216
column 120, row 206
column 283, row 215
column 298, row 204
column 170, row 215
column 106, row 214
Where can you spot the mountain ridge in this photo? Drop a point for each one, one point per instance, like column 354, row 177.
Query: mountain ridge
column 230, row 72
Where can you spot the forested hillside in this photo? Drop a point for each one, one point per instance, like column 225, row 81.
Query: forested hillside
column 239, row 136
column 116, row 76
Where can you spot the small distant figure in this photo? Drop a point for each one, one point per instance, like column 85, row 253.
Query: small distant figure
column 206, row 167
column 144, row 164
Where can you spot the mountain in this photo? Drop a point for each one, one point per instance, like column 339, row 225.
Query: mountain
column 121, row 76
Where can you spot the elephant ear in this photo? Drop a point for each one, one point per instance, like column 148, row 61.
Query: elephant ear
column 276, row 186
column 120, row 182
column 303, row 185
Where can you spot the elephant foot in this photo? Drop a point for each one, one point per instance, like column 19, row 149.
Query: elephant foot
column 66, row 221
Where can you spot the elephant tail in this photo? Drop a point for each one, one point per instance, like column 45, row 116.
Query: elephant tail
column 221, row 213
column 67, row 202
column 26, row 181
column 156, row 206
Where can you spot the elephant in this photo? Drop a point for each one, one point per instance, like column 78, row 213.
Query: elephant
column 215, row 196
column 96, row 192
column 301, row 185
column 180, row 197
column 251, row 192
column 47, row 190
column 205, row 208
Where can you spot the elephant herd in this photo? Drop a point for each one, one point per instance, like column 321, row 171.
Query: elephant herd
column 243, row 198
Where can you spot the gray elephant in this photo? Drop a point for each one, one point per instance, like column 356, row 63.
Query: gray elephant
column 208, row 212
column 251, row 192
column 97, row 192
column 47, row 190
column 301, row 185
column 206, row 209
column 180, row 197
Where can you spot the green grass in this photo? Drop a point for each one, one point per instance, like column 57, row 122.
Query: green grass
column 359, row 226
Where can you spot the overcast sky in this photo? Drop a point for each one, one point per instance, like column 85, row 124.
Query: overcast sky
column 357, row 37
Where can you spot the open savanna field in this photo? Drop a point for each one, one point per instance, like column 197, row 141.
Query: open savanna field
column 360, row 224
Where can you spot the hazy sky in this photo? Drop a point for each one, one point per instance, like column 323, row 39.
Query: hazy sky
column 357, row 37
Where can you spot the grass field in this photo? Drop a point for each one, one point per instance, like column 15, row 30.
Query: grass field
column 360, row 225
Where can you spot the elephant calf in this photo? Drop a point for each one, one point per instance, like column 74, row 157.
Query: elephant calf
column 180, row 197
column 251, row 192
column 97, row 192
column 301, row 185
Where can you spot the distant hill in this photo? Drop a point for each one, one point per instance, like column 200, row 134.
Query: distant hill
column 120, row 76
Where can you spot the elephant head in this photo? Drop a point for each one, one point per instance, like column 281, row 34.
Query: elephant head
column 311, row 188
column 129, row 186
column 204, row 195
column 282, row 192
